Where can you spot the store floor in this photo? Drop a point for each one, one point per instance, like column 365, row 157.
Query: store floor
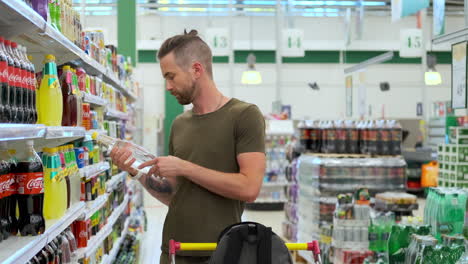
column 156, row 212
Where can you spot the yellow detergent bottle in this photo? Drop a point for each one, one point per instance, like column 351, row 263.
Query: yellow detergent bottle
column 55, row 195
column 49, row 96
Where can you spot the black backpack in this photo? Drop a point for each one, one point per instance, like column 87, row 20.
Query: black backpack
column 250, row 243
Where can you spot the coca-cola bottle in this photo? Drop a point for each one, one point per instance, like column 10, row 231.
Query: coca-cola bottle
column 352, row 137
column 372, row 138
column 384, row 139
column 11, row 81
column 32, row 94
column 303, row 135
column 340, row 135
column 331, row 137
column 30, row 178
column 396, row 137
column 30, row 84
column 19, row 74
column 5, row 111
column 314, row 137
column 363, row 137
column 13, row 193
column 324, row 133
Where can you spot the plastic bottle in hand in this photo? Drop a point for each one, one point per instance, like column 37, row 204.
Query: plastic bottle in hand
column 140, row 154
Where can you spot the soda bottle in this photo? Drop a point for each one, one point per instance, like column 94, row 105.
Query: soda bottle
column 31, row 82
column 30, row 178
column 33, row 93
column 19, row 84
column 25, row 76
column 396, row 137
column 5, row 111
column 340, row 141
column 383, row 138
column 352, row 137
column 13, row 193
column 372, row 138
column 363, row 137
column 79, row 98
column 315, row 137
column 66, row 154
column 54, row 201
column 331, row 137
column 5, row 178
column 304, row 136
column 12, row 73
column 69, row 115
column 43, row 257
column 50, row 105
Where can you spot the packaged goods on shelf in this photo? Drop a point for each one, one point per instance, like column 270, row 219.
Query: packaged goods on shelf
column 453, row 162
column 379, row 231
column 395, row 202
column 374, row 137
column 444, row 211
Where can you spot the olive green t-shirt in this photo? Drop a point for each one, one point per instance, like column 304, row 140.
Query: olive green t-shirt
column 212, row 141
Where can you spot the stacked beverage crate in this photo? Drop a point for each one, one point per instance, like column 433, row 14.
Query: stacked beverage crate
column 453, row 159
column 321, row 178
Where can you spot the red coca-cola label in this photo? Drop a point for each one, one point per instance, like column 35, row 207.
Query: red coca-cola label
column 11, row 76
column 30, row 182
column 385, row 135
column 3, row 71
column 25, row 79
column 305, row 134
column 17, row 78
column 7, row 185
column 372, row 135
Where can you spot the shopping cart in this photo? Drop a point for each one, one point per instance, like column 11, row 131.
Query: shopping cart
column 178, row 246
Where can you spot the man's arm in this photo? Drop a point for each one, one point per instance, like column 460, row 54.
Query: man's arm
column 243, row 186
column 160, row 189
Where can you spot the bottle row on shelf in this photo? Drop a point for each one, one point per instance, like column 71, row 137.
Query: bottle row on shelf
column 374, row 137
column 62, row 17
column 46, row 98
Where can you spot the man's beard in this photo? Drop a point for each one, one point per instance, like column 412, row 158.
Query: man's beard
column 186, row 97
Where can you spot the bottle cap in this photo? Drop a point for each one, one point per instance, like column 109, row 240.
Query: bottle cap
column 7, row 42
column 95, row 135
column 50, row 57
column 66, row 68
column 53, row 150
column 2, row 39
column 14, row 45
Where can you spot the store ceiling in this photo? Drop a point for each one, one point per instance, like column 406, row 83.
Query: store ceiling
column 313, row 8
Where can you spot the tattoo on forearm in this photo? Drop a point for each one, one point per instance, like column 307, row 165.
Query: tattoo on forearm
column 160, row 185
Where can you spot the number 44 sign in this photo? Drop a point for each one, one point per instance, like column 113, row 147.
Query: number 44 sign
column 218, row 40
column 293, row 43
column 411, row 43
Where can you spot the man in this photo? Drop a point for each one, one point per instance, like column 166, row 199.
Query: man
column 217, row 160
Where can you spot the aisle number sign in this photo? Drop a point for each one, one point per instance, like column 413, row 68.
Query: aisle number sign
column 219, row 41
column 293, row 43
column 411, row 43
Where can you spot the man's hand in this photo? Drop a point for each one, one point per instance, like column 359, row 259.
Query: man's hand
column 167, row 167
column 121, row 157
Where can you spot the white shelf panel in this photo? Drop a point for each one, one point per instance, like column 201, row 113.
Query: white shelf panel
column 93, row 206
column 10, row 132
column 95, row 169
column 94, row 100
column 65, row 132
column 21, row 23
column 21, row 249
column 110, row 185
column 112, row 113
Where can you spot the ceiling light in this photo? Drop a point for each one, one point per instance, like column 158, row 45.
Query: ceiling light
column 432, row 78
column 251, row 76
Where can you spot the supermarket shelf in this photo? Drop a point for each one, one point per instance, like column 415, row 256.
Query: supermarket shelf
column 115, row 179
column 95, row 169
column 94, row 100
column 112, row 113
column 96, row 240
column 65, row 132
column 21, row 249
column 93, row 206
column 10, row 132
column 21, row 23
column 275, row 184
column 108, row 259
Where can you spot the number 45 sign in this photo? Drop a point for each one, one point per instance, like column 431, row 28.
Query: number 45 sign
column 411, row 43
column 218, row 40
